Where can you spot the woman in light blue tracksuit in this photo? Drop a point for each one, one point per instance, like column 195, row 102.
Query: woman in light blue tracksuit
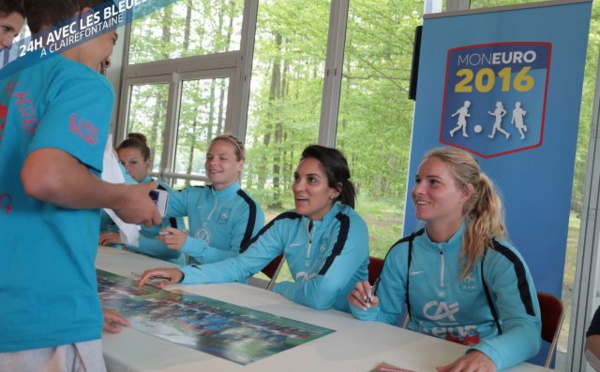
column 458, row 278
column 222, row 217
column 325, row 242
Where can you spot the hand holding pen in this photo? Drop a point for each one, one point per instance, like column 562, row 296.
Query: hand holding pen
column 172, row 238
column 363, row 296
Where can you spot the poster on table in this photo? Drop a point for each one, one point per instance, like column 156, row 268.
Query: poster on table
column 505, row 85
column 235, row 333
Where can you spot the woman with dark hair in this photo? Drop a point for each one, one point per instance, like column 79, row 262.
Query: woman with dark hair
column 135, row 155
column 12, row 17
column 324, row 241
column 458, row 278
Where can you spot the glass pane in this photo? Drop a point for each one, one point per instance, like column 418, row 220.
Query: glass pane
column 375, row 119
column 187, row 28
column 201, row 117
column 285, row 100
column 583, row 140
column 147, row 115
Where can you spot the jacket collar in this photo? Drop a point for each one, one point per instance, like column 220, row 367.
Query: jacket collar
column 228, row 191
column 452, row 245
column 327, row 218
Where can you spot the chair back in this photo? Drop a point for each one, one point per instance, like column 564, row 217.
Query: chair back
column 552, row 314
column 375, row 267
column 272, row 270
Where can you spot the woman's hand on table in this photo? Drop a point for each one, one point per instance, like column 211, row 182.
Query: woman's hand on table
column 172, row 238
column 166, row 277
column 110, row 238
column 472, row 361
column 113, row 321
column 362, row 296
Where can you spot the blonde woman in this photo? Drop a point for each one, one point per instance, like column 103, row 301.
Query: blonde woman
column 458, row 278
column 222, row 216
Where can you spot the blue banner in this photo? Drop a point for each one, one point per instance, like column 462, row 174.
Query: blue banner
column 80, row 28
column 505, row 85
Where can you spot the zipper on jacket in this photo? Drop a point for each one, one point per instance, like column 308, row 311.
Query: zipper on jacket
column 310, row 232
column 214, row 208
column 442, row 268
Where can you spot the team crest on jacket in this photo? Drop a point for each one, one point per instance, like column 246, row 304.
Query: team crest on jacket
column 204, row 234
column 224, row 215
column 471, row 282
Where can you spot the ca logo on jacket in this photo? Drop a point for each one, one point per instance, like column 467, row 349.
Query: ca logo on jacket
column 436, row 311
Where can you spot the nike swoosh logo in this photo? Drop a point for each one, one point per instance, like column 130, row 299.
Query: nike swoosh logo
column 415, row 272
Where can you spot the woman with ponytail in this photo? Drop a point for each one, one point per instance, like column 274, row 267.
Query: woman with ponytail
column 458, row 278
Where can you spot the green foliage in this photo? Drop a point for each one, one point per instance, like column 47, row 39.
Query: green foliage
column 375, row 115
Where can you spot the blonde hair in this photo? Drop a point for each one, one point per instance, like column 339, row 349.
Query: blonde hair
column 483, row 212
column 239, row 150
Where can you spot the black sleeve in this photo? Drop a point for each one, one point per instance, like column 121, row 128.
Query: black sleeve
column 595, row 326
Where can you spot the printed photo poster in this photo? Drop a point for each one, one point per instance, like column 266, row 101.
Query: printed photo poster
column 505, row 85
column 235, row 333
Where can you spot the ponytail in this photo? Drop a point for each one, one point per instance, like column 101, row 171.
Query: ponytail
column 484, row 216
column 483, row 212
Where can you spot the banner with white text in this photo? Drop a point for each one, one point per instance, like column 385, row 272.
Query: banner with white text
column 81, row 28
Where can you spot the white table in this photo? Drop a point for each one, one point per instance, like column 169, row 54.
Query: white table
column 355, row 346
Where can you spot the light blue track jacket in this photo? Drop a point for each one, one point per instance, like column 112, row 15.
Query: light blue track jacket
column 220, row 221
column 445, row 306
column 325, row 262
column 147, row 242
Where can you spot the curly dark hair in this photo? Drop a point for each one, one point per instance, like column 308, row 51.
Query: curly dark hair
column 46, row 13
column 8, row 7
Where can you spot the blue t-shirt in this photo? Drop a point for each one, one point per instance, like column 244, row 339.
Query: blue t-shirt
column 48, row 290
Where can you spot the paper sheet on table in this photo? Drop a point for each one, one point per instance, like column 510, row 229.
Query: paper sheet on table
column 111, row 172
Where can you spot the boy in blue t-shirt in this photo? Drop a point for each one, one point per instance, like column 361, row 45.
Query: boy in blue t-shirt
column 54, row 121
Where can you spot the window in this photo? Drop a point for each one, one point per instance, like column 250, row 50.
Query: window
column 187, row 28
column 147, row 115
column 201, row 117
column 285, row 96
column 375, row 116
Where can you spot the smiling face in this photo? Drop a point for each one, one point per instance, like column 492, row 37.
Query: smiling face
column 438, row 199
column 312, row 195
column 134, row 162
column 222, row 165
column 10, row 26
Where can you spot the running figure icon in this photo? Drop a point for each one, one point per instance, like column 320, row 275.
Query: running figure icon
column 499, row 113
column 517, row 119
column 463, row 114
